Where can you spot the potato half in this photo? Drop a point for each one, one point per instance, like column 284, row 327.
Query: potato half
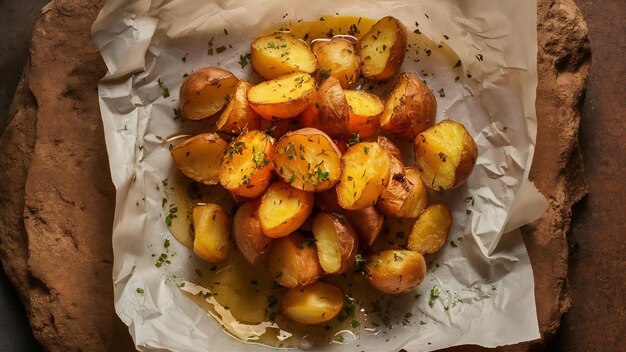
column 382, row 49
column 284, row 97
column 390, row 147
column 308, row 159
column 199, row 157
column 410, row 109
column 445, row 155
column 211, row 233
column 405, row 195
column 246, row 169
column 284, row 209
column 238, row 116
column 334, row 112
column 431, row 229
column 337, row 243
column 365, row 110
column 279, row 54
column 253, row 244
column 205, row 92
column 366, row 173
column 395, row 271
column 316, row 303
column 293, row 261
column 337, row 58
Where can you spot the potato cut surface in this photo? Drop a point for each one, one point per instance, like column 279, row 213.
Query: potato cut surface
column 430, row 231
column 336, row 242
column 365, row 110
column 205, row 92
column 238, row 116
column 337, row 58
column 316, row 303
column 283, row 97
column 199, row 156
column 279, row 54
column 293, row 261
column 382, row 49
column 212, row 233
column 284, row 209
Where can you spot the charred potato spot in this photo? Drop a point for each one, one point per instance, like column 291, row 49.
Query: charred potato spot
column 365, row 175
column 198, row 157
column 253, row 244
column 238, row 116
column 395, row 271
column 336, row 242
column 308, row 159
column 316, row 303
column 405, row 196
column 445, row 155
column 279, row 54
column 211, row 233
column 293, row 261
column 205, row 92
column 246, row 169
column 382, row 49
column 337, row 58
column 334, row 113
column 284, row 97
column 365, row 110
column 284, row 209
column 430, row 231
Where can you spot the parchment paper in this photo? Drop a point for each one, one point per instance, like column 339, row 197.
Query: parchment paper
column 485, row 279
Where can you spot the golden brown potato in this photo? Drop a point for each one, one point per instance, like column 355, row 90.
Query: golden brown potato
column 334, row 113
column 417, row 200
column 199, row 156
column 445, row 155
column 284, row 209
column 293, row 261
column 308, row 159
column 382, row 49
column 284, row 97
column 337, row 58
column 390, row 147
column 366, row 173
column 395, row 271
column 211, row 233
column 246, row 169
column 310, row 116
column 337, row 243
column 410, row 109
column 249, row 237
column 316, row 303
column 205, row 92
column 279, row 54
column 405, row 195
column 431, row 229
column 365, row 110
column 238, row 116
column 367, row 224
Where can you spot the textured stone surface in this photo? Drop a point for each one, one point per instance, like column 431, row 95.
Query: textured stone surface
column 59, row 256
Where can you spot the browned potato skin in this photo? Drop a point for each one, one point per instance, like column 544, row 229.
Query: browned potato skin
column 293, row 261
column 390, row 147
column 415, row 112
column 334, row 112
column 211, row 233
column 238, row 116
column 316, row 303
column 338, row 59
column 417, row 200
column 428, row 156
column 195, row 83
column 430, row 231
column 199, row 168
column 392, row 197
column 395, row 271
column 347, row 241
column 250, row 239
column 397, row 51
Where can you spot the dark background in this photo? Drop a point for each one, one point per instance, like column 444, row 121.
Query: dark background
column 597, row 251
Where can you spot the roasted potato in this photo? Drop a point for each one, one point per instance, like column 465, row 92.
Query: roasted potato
column 238, row 116
column 211, row 233
column 395, row 271
column 405, row 195
column 366, row 173
column 431, row 229
column 410, row 109
column 253, row 244
column 205, row 92
column 199, row 156
column 279, row 54
column 284, row 97
column 390, row 147
column 337, row 243
column 310, row 116
column 365, row 110
column 337, row 58
column 284, row 209
column 445, row 155
column 293, row 261
column 308, row 159
column 316, row 303
column 382, row 49
column 246, row 169
column 334, row 112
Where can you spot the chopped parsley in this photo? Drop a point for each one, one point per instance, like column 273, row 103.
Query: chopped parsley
column 434, row 294
column 164, row 89
column 244, row 59
column 356, row 138
column 140, row 290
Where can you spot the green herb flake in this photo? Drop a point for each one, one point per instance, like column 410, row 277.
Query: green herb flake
column 244, row 60
column 271, row 301
column 355, row 324
column 164, row 89
column 434, row 294
column 359, row 260
column 366, row 150
column 140, row 290
column 356, row 138
column 220, row 49
column 442, row 92
column 166, row 244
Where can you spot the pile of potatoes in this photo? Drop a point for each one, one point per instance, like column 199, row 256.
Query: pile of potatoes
column 313, row 196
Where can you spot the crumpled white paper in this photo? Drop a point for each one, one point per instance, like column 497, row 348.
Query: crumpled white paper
column 487, row 273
